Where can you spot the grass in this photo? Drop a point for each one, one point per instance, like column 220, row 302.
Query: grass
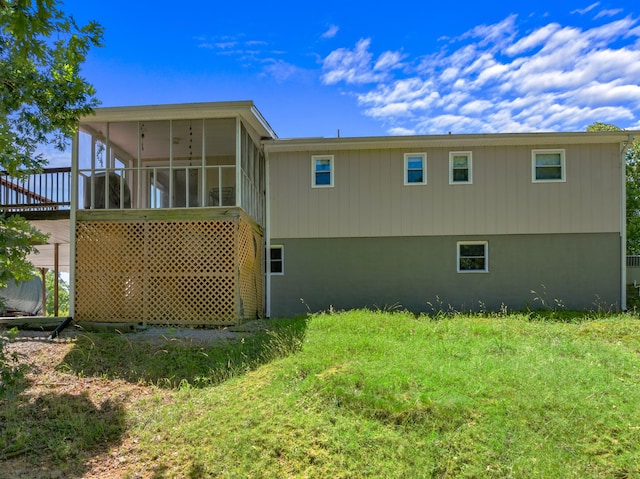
column 386, row 395
column 171, row 362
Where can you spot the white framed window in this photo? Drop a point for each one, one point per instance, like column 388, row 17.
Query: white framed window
column 473, row 256
column 547, row 165
column 322, row 171
column 415, row 168
column 276, row 259
column 460, row 168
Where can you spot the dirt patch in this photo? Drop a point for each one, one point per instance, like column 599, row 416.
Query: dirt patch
column 45, row 379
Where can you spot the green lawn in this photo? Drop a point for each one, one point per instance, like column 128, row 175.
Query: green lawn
column 386, row 395
column 389, row 395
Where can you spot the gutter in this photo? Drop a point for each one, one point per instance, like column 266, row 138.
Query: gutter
column 623, row 221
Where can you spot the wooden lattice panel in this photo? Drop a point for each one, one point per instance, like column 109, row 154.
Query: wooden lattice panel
column 168, row 272
column 110, row 264
column 250, row 271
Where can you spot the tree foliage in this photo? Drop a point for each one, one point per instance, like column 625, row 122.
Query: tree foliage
column 17, row 239
column 63, row 295
column 42, row 97
column 633, row 188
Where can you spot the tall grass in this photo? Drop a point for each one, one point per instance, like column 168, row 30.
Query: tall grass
column 391, row 395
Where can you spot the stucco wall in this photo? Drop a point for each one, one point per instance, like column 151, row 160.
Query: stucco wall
column 580, row 270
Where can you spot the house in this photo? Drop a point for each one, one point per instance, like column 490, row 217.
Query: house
column 173, row 208
column 467, row 222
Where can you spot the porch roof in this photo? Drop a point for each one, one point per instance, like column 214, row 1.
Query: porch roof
column 246, row 110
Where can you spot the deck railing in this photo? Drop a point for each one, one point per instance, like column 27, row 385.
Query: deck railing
column 633, row 261
column 47, row 190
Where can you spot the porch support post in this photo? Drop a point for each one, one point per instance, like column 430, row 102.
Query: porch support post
column 56, row 266
column 43, row 274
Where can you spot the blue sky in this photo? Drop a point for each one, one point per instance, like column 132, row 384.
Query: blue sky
column 398, row 68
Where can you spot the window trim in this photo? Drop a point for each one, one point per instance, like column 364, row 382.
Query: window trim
column 563, row 166
column 407, row 156
column 486, row 256
column 469, row 156
column 281, row 248
column 314, row 172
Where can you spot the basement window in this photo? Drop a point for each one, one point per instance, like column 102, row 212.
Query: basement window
column 547, row 165
column 276, row 256
column 473, row 256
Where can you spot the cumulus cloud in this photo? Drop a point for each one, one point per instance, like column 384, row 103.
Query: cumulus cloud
column 356, row 66
column 496, row 78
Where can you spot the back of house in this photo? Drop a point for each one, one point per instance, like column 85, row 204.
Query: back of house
column 463, row 222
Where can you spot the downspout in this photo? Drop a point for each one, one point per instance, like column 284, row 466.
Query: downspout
column 623, row 222
column 267, row 233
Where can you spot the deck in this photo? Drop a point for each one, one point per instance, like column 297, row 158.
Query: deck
column 44, row 199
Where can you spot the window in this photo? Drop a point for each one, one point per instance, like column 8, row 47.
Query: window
column 547, row 165
column 460, row 171
column 322, row 171
column 276, row 255
column 473, row 257
column 415, row 168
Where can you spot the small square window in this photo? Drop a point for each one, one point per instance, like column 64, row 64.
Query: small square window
column 473, row 257
column 460, row 171
column 276, row 259
column 415, row 169
column 322, row 171
column 547, row 165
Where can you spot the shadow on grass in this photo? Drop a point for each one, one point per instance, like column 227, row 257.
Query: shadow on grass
column 57, row 431
column 170, row 362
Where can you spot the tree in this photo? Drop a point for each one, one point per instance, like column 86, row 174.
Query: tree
column 63, row 294
column 42, row 97
column 632, row 186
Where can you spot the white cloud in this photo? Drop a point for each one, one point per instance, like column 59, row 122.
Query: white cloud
column 476, row 107
column 331, row 32
column 352, row 66
column 399, row 131
column 389, row 61
column 537, row 38
column 586, row 10
column 494, row 78
column 281, row 70
column 608, row 13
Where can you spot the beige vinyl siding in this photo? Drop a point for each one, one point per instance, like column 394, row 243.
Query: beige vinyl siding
column 369, row 198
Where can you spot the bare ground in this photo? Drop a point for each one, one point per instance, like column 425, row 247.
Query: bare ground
column 45, row 380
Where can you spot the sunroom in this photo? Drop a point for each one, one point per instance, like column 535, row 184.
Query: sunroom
column 168, row 212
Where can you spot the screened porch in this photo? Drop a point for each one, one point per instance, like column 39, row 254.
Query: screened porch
column 167, row 164
column 169, row 214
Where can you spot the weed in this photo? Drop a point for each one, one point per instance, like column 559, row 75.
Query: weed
column 11, row 370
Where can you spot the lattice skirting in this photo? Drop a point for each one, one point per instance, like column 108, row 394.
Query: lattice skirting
column 168, row 272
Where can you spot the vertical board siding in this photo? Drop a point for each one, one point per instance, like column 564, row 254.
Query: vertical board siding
column 369, row 197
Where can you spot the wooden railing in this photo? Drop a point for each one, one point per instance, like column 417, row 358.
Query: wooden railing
column 47, row 190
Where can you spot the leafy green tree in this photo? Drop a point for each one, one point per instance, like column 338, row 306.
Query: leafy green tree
column 63, row 295
column 633, row 188
column 42, row 97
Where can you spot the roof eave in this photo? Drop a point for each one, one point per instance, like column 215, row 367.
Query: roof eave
column 185, row 111
column 457, row 141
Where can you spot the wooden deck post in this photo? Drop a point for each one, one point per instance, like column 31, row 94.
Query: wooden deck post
column 43, row 274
